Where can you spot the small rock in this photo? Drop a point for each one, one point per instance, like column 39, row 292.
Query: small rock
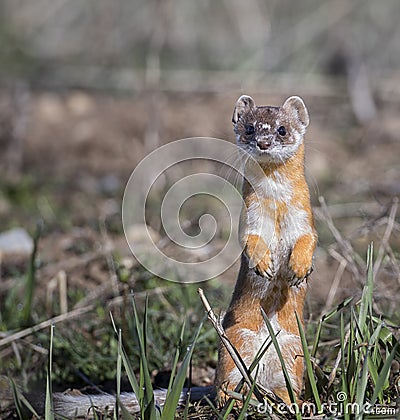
column 16, row 241
column 109, row 184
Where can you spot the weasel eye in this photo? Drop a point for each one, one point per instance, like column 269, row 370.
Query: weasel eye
column 282, row 131
column 249, row 129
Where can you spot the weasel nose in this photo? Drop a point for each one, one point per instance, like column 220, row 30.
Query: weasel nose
column 264, row 143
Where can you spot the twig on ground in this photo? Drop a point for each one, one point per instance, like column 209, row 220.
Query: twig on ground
column 336, row 282
column 393, row 260
column 386, row 236
column 60, row 282
column 42, row 325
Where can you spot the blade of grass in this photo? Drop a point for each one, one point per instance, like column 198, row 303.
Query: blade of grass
column 308, row 365
column 31, row 277
column 48, row 407
column 228, row 407
column 213, row 408
column 127, row 365
column 172, row 399
column 374, row 345
column 148, row 409
column 125, row 414
column 364, row 328
column 243, row 411
column 367, row 295
column 187, row 405
column 119, row 369
column 344, row 388
column 325, row 318
column 353, row 355
column 376, row 355
column 20, row 400
column 383, row 375
column 176, row 359
column 17, row 400
column 362, row 384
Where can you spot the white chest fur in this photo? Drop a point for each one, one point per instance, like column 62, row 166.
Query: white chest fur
column 276, row 217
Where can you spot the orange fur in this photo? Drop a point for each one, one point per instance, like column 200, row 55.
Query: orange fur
column 302, row 253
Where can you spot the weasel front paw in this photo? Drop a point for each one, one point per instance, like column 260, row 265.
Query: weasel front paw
column 259, row 256
column 264, row 269
column 301, row 259
column 296, row 280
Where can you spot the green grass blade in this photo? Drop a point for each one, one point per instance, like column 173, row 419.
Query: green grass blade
column 119, row 372
column 317, row 337
column 325, row 318
column 309, row 368
column 172, row 399
column 383, row 375
column 376, row 355
column 48, row 407
column 130, row 372
column 30, row 283
column 373, row 370
column 370, row 272
column 344, row 387
column 213, row 408
column 187, row 405
column 367, row 295
column 353, row 355
column 127, row 365
column 362, row 382
column 243, row 411
column 372, row 357
column 17, row 400
column 20, row 400
column 176, row 359
column 148, row 406
column 228, row 407
column 125, row 414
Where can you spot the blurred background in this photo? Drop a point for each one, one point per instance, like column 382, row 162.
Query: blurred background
column 89, row 88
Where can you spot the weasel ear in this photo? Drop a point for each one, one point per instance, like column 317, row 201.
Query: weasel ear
column 243, row 104
column 297, row 110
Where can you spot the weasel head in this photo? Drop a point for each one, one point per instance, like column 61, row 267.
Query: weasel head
column 270, row 134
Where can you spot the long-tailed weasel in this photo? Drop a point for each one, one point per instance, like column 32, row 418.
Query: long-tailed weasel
column 278, row 237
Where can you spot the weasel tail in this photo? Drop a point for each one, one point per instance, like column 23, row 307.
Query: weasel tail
column 73, row 404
